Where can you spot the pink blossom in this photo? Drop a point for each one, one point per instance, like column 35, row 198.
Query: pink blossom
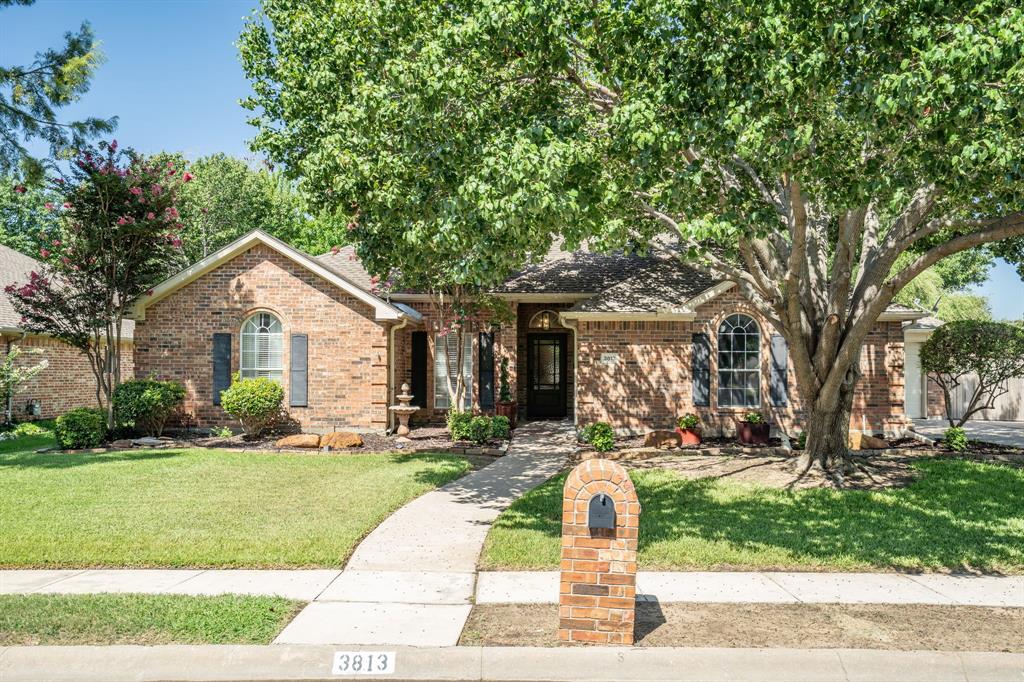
column 170, row 164
column 67, row 204
column 48, row 205
column 335, row 249
column 171, row 212
column 122, row 221
column 45, row 253
column 351, row 226
column 56, row 242
column 150, row 216
column 170, row 173
column 113, row 146
column 187, row 177
column 156, row 190
column 65, row 260
column 19, row 189
column 142, row 200
column 176, row 242
column 136, row 191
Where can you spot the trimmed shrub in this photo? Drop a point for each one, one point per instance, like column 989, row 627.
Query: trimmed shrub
column 30, row 429
column 147, row 404
column 458, row 424
column 955, row 439
column 256, row 403
column 600, row 435
column 500, row 427
column 480, row 429
column 84, row 427
column 688, row 421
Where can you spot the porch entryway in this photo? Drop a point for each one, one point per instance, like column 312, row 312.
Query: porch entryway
column 546, row 370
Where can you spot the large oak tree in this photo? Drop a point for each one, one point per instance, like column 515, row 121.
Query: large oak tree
column 798, row 148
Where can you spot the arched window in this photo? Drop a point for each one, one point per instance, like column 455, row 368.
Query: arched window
column 739, row 362
column 262, row 347
column 544, row 320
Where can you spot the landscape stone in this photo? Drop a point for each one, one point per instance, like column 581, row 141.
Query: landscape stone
column 122, row 443
column 662, row 439
column 148, row 442
column 873, row 443
column 342, row 439
column 300, row 440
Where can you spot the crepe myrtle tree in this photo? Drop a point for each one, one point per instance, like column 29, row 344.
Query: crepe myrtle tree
column 119, row 238
column 971, row 352
column 796, row 148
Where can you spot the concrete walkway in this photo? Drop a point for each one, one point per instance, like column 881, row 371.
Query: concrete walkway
column 537, row 587
column 411, row 581
column 177, row 663
column 1001, row 433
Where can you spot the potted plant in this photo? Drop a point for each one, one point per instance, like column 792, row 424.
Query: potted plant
column 688, row 429
column 753, row 429
column 506, row 406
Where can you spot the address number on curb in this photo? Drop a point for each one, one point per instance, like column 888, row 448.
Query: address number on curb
column 363, row 663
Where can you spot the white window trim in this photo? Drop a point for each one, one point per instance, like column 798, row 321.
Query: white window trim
column 250, row 369
column 441, row 365
column 718, row 357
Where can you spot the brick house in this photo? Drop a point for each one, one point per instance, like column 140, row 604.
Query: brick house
column 632, row 340
column 67, row 382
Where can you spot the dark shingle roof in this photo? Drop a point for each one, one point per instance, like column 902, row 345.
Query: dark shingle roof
column 657, row 285
column 347, row 264
column 15, row 268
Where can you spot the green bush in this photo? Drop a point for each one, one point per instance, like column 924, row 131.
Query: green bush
column 256, row 402
column 688, row 421
column 147, row 404
column 480, row 429
column 30, row 429
column 600, row 435
column 458, row 424
column 754, row 417
column 500, row 427
column 955, row 439
column 84, row 427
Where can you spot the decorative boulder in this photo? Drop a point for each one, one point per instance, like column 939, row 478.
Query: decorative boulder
column 300, row 440
column 873, row 443
column 342, row 439
column 662, row 439
column 122, row 443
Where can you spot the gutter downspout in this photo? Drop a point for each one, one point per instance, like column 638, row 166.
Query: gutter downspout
column 574, row 326
column 391, row 370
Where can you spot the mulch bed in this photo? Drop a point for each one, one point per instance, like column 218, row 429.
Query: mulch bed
column 813, row 626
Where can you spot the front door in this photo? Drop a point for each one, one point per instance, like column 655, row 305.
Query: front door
column 545, row 369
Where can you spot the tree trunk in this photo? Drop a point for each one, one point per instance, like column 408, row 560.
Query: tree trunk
column 828, row 429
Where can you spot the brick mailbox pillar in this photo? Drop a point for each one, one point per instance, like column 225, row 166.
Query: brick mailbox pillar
column 600, row 518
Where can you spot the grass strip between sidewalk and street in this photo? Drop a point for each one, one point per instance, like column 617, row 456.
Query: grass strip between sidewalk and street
column 33, row 619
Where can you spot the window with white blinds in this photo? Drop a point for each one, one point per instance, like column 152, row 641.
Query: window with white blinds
column 262, row 347
column 446, row 360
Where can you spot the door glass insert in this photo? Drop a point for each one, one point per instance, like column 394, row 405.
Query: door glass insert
column 547, row 374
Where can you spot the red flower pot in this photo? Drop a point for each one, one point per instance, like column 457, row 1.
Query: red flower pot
column 688, row 436
column 507, row 409
column 753, row 434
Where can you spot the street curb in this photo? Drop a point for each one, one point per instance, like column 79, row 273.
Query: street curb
column 231, row 663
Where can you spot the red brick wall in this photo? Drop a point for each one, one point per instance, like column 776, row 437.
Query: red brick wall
column 651, row 384
column 66, row 383
column 348, row 374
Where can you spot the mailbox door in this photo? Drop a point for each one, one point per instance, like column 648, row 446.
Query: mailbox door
column 601, row 512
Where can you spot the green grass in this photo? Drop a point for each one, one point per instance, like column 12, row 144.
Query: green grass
column 958, row 515
column 200, row 508
column 142, row 619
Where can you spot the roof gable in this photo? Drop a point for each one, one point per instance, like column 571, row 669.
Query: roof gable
column 382, row 309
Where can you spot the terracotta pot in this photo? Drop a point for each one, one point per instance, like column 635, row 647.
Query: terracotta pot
column 689, row 436
column 753, row 434
column 507, row 409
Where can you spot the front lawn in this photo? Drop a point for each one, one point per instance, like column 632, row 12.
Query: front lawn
column 142, row 619
column 959, row 515
column 201, row 508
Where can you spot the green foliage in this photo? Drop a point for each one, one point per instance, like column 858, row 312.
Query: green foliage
column 146, row 619
column 458, row 424
column 955, row 438
column 25, row 223
column 688, row 421
column 480, row 428
column 801, row 440
column 958, row 307
column 501, row 428
column 504, row 386
column 147, row 404
column 84, row 427
column 600, row 435
column 992, row 351
column 31, row 94
column 753, row 417
column 255, row 402
column 14, row 375
column 221, row 432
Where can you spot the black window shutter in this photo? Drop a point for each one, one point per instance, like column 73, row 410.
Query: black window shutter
column 779, row 383
column 221, row 365
column 298, row 384
column 701, row 370
column 486, row 370
column 418, row 370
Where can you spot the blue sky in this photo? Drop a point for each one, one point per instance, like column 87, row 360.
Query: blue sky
column 173, row 78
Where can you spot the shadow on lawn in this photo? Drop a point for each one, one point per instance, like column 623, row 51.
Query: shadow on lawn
column 59, row 460
column 956, row 516
column 445, row 469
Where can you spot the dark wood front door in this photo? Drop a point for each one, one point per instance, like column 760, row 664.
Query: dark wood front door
column 546, row 374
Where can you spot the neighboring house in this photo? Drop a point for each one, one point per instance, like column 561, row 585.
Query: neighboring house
column 924, row 398
column 68, row 381
column 635, row 341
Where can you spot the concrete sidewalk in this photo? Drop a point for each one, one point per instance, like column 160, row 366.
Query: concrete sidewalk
column 1001, row 433
column 505, row 664
column 364, row 588
column 541, row 587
